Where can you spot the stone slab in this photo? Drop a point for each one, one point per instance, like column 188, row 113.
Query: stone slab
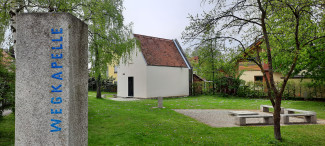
column 239, row 113
column 51, row 80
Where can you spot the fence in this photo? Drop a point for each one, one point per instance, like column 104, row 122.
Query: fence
column 294, row 89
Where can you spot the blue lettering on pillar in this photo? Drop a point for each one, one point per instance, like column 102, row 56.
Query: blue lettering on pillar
column 56, row 111
column 56, row 56
column 54, row 125
column 55, row 65
column 58, row 40
column 56, row 100
column 60, row 47
column 56, row 31
column 57, row 75
column 55, row 89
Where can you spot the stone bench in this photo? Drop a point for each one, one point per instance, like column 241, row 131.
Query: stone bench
column 292, row 111
column 241, row 120
column 309, row 117
column 265, row 108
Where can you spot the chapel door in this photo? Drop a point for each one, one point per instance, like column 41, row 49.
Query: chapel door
column 130, row 86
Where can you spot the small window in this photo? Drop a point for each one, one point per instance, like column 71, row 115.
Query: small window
column 258, row 78
column 115, row 69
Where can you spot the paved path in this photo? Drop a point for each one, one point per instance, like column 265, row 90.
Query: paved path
column 221, row 118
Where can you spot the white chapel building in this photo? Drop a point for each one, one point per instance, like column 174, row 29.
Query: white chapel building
column 158, row 68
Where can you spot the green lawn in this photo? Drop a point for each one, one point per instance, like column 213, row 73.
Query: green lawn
column 7, row 130
column 137, row 123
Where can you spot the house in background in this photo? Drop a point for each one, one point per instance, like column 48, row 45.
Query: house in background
column 297, row 86
column 112, row 72
column 158, row 68
column 251, row 72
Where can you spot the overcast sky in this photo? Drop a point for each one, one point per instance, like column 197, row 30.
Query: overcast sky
column 161, row 18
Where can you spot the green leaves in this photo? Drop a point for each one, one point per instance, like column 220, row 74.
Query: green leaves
column 109, row 38
column 296, row 26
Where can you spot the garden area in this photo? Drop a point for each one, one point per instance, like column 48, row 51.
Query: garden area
column 137, row 123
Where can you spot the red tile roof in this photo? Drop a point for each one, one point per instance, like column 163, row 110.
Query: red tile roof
column 160, row 52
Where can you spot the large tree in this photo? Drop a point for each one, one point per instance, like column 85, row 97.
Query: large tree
column 287, row 26
column 108, row 36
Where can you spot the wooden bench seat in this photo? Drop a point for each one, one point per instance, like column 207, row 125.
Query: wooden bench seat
column 241, row 120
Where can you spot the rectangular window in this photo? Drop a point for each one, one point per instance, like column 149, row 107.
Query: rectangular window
column 258, row 78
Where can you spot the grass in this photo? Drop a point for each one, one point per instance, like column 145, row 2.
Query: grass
column 7, row 130
column 137, row 123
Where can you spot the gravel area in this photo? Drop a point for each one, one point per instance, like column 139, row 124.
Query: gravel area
column 221, row 118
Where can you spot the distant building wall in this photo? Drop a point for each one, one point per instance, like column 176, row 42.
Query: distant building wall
column 249, row 76
column 112, row 72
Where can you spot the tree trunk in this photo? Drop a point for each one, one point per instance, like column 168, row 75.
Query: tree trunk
column 277, row 118
column 97, row 73
column 277, row 105
column 212, row 59
column 99, row 85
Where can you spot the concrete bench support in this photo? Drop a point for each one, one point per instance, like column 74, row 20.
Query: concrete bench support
column 241, row 120
column 265, row 108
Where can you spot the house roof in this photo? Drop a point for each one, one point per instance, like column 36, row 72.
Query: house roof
column 160, row 52
column 197, row 78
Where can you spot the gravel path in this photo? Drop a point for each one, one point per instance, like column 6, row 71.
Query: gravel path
column 221, row 118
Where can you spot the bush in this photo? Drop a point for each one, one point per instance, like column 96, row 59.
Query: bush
column 7, row 84
column 107, row 85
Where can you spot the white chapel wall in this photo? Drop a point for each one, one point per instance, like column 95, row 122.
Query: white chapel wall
column 167, row 81
column 135, row 68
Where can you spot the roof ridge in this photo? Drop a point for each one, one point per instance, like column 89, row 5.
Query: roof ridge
column 153, row 37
